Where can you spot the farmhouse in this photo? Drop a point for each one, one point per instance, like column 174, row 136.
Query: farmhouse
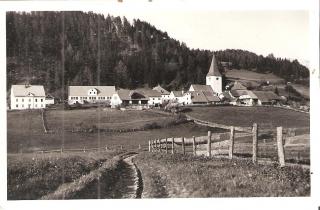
column 153, row 96
column 49, row 99
column 165, row 95
column 90, row 94
column 177, row 96
column 266, row 97
column 27, row 97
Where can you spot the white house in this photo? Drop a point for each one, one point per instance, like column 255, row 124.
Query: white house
column 177, row 96
column 27, row 97
column 49, row 100
column 90, row 94
column 165, row 95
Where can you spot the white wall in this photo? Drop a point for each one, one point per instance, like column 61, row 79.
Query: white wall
column 215, row 83
column 115, row 100
column 28, row 102
column 154, row 100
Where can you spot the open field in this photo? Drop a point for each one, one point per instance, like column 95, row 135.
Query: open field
column 246, row 75
column 25, row 132
column 31, row 176
column 188, row 176
column 246, row 116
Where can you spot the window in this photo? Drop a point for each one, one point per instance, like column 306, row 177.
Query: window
column 35, row 105
column 22, row 100
column 36, row 100
column 217, row 78
column 16, row 100
column 17, row 105
column 29, row 99
column 89, row 97
column 41, row 100
column 41, row 105
column 22, row 105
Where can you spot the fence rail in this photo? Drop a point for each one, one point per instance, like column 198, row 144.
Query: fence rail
column 223, row 143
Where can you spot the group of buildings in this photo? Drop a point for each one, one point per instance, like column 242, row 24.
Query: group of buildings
column 34, row 97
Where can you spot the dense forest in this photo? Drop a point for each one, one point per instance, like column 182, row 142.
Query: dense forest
column 57, row 49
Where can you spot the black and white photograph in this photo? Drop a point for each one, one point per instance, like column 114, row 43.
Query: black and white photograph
column 158, row 102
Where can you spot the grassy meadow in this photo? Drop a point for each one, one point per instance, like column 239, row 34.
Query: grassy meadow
column 187, row 176
column 31, row 176
column 253, row 76
column 246, row 116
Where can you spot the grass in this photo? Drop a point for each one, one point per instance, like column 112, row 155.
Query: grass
column 246, row 116
column 25, row 132
column 188, row 176
column 253, row 76
column 31, row 176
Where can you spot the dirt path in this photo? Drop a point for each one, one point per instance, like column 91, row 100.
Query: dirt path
column 115, row 179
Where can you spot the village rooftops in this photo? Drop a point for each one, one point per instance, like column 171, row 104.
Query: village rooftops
column 161, row 90
column 148, row 92
column 213, row 70
column 206, row 88
column 238, row 93
column 238, row 86
column 177, row 93
column 28, row 90
column 203, row 97
column 83, row 90
column 266, row 96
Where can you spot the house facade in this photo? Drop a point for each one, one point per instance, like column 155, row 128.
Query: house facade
column 27, row 97
column 90, row 94
column 165, row 95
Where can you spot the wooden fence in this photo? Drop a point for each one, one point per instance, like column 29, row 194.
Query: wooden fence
column 207, row 145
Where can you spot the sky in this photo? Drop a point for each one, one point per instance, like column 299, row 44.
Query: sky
column 285, row 33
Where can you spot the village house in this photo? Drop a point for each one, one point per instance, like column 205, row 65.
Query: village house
column 27, row 97
column 139, row 97
column 177, row 96
column 49, row 100
column 266, row 97
column 165, row 95
column 90, row 94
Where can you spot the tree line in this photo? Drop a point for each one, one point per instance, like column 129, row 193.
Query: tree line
column 58, row 49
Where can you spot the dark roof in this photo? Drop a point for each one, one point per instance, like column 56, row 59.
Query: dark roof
column 266, row 96
column 148, row 92
column 202, row 87
column 213, row 70
column 125, row 94
column 161, row 90
column 203, row 97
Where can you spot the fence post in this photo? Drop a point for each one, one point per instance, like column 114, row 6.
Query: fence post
column 231, row 145
column 172, row 145
column 106, row 148
column 194, row 146
column 166, row 142
column 139, row 147
column 209, row 144
column 61, row 150
column 149, row 146
column 182, row 145
column 254, row 142
column 280, row 147
column 84, row 149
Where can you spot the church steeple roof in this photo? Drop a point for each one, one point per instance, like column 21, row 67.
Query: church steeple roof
column 213, row 70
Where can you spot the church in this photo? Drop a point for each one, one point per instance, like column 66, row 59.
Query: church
column 213, row 80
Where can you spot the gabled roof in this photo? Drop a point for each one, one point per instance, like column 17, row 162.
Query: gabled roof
column 211, row 97
column 83, row 90
column 213, row 70
column 203, row 97
column 149, row 92
column 266, row 96
column 238, row 93
column 238, row 86
column 249, row 94
column 177, row 93
column 202, row 87
column 125, row 94
column 25, row 90
column 161, row 90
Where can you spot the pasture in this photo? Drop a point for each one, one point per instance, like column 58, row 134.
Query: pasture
column 246, row 116
column 253, row 76
column 25, row 132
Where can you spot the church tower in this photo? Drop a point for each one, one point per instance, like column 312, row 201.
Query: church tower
column 214, row 78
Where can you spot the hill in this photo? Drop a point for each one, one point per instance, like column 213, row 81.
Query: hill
column 57, row 49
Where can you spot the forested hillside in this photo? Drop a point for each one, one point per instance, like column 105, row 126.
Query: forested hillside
column 57, row 49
